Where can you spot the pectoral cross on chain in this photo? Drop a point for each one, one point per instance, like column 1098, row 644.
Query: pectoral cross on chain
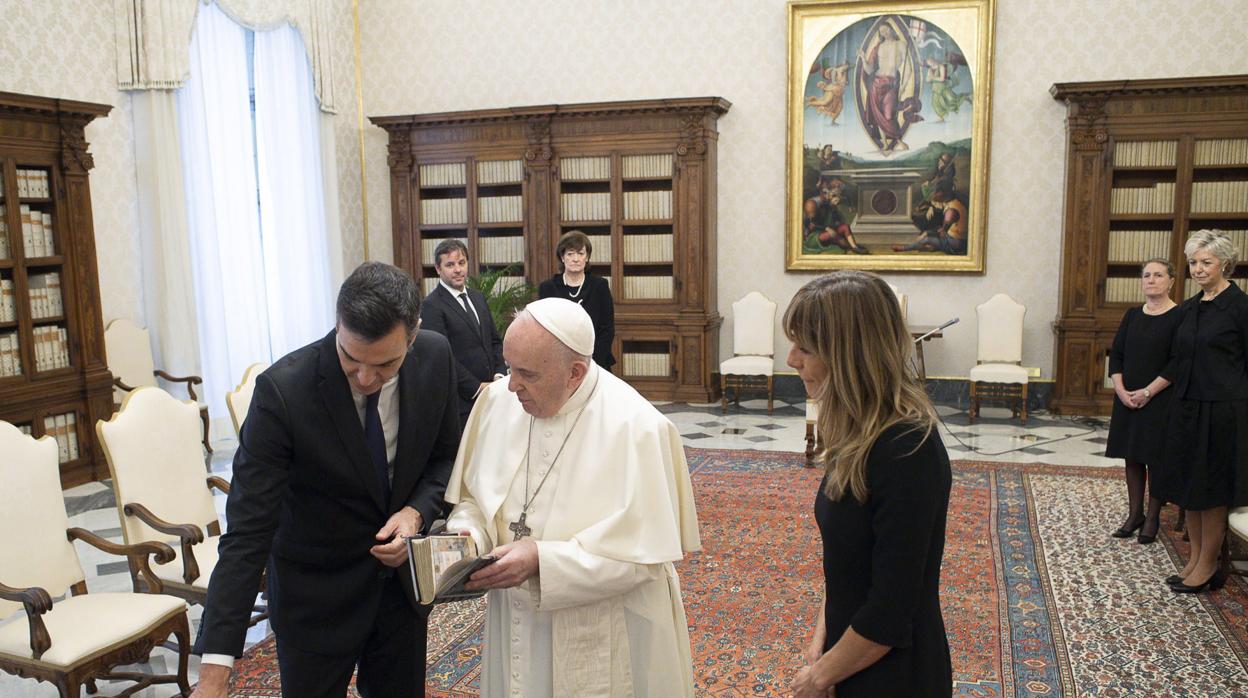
column 519, row 528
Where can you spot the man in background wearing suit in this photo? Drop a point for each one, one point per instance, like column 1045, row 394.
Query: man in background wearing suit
column 462, row 316
column 346, row 449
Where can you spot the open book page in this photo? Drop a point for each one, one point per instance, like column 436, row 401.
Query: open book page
column 440, row 566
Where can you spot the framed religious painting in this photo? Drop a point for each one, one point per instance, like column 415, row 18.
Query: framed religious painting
column 888, row 108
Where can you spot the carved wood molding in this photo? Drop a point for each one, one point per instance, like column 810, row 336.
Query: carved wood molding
column 537, row 133
column 399, row 150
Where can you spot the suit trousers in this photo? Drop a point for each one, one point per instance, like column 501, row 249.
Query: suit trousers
column 391, row 660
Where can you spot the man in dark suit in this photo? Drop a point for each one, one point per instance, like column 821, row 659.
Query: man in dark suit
column 346, row 449
column 462, row 316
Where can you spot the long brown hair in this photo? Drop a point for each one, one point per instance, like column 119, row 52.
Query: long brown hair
column 850, row 320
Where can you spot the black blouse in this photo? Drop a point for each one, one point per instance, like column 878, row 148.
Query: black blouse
column 594, row 295
column 881, row 566
column 1142, row 344
column 1210, row 348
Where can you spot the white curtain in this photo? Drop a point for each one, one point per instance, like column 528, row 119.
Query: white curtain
column 168, row 281
column 292, row 199
column 219, row 168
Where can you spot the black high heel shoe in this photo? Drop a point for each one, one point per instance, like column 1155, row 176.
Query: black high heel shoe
column 1174, row 579
column 1124, row 532
column 1213, row 583
column 1146, row 538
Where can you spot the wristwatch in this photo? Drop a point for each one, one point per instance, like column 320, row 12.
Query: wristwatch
column 1147, row 393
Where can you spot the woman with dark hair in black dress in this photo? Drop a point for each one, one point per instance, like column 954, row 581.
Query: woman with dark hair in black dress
column 1137, row 429
column 593, row 293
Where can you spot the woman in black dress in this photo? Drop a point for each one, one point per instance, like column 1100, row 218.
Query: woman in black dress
column 882, row 504
column 575, row 283
column 1206, row 468
column 1137, row 429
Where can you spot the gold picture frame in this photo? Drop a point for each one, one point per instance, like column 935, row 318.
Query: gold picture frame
column 889, row 105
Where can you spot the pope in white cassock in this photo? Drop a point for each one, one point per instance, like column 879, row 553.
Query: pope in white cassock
column 581, row 490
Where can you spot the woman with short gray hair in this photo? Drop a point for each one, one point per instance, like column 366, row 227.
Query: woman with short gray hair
column 1206, row 469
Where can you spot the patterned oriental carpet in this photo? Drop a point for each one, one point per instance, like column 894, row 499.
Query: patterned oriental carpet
column 1038, row 599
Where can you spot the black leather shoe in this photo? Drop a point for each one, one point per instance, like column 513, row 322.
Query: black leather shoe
column 1125, row 532
column 1174, row 579
column 1215, row 582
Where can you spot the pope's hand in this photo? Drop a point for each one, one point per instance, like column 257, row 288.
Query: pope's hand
column 393, row 551
column 516, row 562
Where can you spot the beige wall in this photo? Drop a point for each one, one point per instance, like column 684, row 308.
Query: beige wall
column 440, row 55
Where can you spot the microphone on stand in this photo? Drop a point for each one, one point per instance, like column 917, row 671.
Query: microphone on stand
column 933, row 331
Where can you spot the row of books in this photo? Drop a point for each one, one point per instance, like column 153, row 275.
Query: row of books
column 657, row 365
column 63, row 428
column 4, row 234
column 10, row 355
column 1145, row 153
column 8, row 301
column 37, row 238
column 648, row 248
column 647, row 205
column 1222, row 151
column 429, row 245
column 449, row 174
column 588, row 206
column 500, row 209
column 500, row 171
column 1219, row 197
column 51, row 348
column 444, row 211
column 25, row 429
column 45, row 295
column 646, row 166
column 647, row 287
column 33, row 184
column 1138, row 245
column 1157, row 198
column 501, row 250
column 573, row 169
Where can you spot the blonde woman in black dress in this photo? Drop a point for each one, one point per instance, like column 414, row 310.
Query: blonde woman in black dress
column 885, row 494
column 1137, row 429
column 1206, row 467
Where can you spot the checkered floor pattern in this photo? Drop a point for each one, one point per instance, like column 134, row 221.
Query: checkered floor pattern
column 996, row 437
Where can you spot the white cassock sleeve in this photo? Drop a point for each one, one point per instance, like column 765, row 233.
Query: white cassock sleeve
column 569, row 576
column 467, row 516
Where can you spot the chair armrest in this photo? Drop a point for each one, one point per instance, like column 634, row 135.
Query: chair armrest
column 117, row 382
column 37, row 602
column 190, row 381
column 136, row 552
column 219, row 483
column 189, row 533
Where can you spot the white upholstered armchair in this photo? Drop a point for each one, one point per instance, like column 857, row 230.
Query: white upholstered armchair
column 238, row 400
column 753, row 347
column 154, row 457
column 129, row 351
column 998, row 375
column 80, row 638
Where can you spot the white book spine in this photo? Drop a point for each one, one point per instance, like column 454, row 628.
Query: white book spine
column 71, row 433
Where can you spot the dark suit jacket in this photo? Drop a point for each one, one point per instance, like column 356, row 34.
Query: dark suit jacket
column 479, row 354
column 306, row 503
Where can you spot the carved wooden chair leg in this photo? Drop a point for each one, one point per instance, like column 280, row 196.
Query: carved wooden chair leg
column 203, row 416
column 1022, row 406
column 723, row 393
column 91, row 687
column 771, row 393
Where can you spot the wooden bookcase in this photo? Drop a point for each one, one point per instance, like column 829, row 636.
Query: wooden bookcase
column 638, row 177
column 53, row 378
column 1148, row 162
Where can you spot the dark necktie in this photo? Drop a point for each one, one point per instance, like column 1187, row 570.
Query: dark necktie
column 375, row 440
column 472, row 317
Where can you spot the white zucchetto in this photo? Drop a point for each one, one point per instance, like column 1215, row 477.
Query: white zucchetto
column 567, row 321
